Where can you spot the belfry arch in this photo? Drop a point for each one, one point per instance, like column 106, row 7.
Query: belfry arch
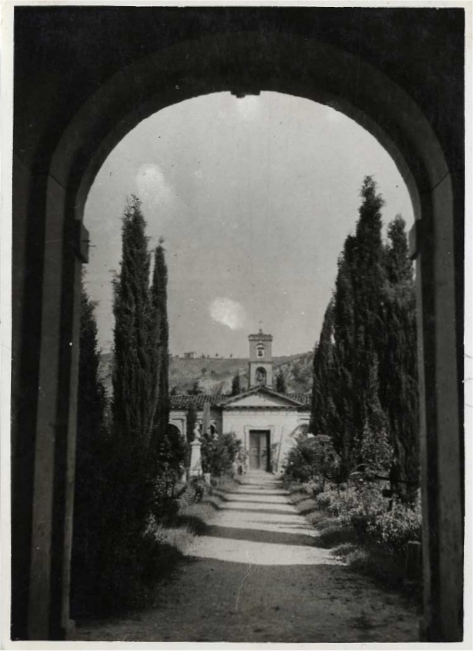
column 53, row 185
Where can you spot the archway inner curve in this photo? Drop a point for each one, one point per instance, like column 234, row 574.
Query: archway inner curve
column 244, row 64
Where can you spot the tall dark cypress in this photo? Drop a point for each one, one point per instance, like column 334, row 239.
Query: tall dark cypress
column 341, row 400
column 91, row 406
column 346, row 359
column 368, row 278
column 133, row 392
column 159, row 344
column 365, row 370
column 322, row 376
column 134, row 403
column 398, row 361
column 91, row 399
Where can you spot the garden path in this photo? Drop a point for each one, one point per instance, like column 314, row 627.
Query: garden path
column 257, row 575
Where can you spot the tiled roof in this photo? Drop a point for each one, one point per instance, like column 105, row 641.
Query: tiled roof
column 182, row 402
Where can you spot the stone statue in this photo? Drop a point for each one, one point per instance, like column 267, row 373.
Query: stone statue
column 197, row 432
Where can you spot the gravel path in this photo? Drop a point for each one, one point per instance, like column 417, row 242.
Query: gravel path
column 257, row 576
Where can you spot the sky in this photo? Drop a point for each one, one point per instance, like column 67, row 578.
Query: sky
column 254, row 198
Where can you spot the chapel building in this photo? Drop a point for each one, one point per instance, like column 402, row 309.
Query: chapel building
column 265, row 421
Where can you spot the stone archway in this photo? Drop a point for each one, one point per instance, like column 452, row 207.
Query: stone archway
column 247, row 63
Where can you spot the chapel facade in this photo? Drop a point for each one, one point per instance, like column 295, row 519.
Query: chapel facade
column 265, row 421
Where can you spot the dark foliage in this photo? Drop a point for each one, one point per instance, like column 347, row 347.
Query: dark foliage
column 171, row 458
column 135, row 463
column 191, row 419
column 364, row 371
column 90, row 451
column 280, row 382
column 236, row 385
column 398, row 390
column 134, row 389
column 219, row 452
column 159, row 333
column 313, row 460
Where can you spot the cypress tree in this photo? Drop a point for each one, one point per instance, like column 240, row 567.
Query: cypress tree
column 368, row 278
column 344, row 403
column 133, row 389
column 132, row 468
column 280, row 382
column 365, row 372
column 322, row 376
column 91, row 405
column 398, row 363
column 191, row 419
column 341, row 388
column 236, row 385
column 159, row 345
column 91, row 400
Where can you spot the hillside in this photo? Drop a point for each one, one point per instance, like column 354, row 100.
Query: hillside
column 214, row 375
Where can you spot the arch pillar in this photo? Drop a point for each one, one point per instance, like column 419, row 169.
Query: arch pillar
column 440, row 432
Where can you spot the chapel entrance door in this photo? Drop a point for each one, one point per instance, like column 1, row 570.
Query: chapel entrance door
column 259, row 450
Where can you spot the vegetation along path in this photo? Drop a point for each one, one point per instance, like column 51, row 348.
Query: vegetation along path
column 257, row 575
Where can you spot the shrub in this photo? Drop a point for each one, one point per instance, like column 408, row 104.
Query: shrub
column 192, row 493
column 339, row 502
column 366, row 510
column 313, row 459
column 219, row 452
column 393, row 529
column 170, row 460
column 312, row 487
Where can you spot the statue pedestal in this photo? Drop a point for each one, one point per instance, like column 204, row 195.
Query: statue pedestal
column 195, row 468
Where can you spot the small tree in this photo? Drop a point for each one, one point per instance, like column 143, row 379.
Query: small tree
column 171, row 458
column 236, row 386
column 219, row 453
column 280, row 382
column 191, row 419
column 195, row 390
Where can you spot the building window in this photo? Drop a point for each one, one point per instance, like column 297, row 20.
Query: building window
column 260, row 350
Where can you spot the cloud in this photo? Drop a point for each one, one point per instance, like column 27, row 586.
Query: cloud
column 153, row 188
column 228, row 313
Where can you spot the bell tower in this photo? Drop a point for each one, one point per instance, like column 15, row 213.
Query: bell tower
column 261, row 360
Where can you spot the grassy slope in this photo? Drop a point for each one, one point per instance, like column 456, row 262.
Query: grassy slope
column 215, row 374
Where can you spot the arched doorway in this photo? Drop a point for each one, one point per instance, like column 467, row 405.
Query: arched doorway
column 261, row 376
column 246, row 63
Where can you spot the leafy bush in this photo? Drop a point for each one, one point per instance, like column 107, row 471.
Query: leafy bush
column 192, row 493
column 367, row 511
column 338, row 502
column 219, row 452
column 312, row 487
column 313, row 459
column 170, row 460
column 393, row 529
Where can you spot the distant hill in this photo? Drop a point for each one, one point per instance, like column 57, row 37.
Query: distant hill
column 215, row 374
